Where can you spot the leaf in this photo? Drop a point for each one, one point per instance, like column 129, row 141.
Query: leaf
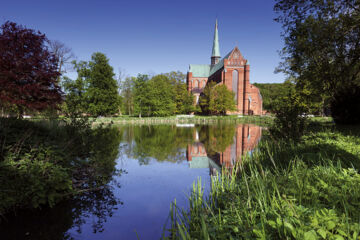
column 338, row 237
column 322, row 233
column 310, row 235
column 330, row 225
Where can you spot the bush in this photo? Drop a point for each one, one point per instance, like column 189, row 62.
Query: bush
column 290, row 117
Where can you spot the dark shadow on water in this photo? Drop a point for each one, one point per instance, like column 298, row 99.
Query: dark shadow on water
column 54, row 223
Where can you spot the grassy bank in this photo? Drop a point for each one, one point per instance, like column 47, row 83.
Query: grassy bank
column 306, row 190
column 263, row 120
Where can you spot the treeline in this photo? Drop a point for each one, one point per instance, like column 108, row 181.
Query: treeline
column 271, row 92
column 160, row 95
column 273, row 95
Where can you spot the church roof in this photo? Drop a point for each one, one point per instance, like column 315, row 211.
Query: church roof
column 219, row 65
column 205, row 70
column 200, row 70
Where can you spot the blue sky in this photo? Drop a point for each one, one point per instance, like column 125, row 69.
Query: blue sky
column 144, row 36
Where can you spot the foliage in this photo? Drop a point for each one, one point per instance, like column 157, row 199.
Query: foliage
column 102, row 92
column 216, row 138
column 321, row 45
column 153, row 97
column 95, row 90
column 42, row 163
column 271, row 92
column 28, row 71
column 142, row 95
column 76, row 98
column 217, row 99
column 184, row 100
column 127, row 95
column 290, row 120
column 162, row 96
column 281, row 192
column 160, row 142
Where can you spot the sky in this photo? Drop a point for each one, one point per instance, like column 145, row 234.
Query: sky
column 152, row 37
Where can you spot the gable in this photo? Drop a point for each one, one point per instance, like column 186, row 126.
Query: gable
column 235, row 58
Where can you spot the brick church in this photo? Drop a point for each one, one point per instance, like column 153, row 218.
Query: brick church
column 234, row 71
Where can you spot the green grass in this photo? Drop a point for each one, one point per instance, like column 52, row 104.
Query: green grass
column 306, row 190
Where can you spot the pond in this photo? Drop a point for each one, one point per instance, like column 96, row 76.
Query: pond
column 157, row 164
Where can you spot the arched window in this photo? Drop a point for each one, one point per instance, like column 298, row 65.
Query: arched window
column 196, row 83
column 204, row 83
column 235, row 81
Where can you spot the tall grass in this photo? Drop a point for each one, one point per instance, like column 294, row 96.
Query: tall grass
column 283, row 191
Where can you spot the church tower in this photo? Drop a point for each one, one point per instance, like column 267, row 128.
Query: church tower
column 215, row 56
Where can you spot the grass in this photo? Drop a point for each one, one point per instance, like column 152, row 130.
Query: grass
column 305, row 190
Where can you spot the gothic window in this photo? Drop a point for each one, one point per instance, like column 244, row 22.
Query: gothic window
column 235, row 81
column 196, row 83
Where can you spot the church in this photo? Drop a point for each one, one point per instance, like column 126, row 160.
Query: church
column 234, row 71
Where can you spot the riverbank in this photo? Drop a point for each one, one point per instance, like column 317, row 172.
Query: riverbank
column 45, row 162
column 182, row 119
column 305, row 190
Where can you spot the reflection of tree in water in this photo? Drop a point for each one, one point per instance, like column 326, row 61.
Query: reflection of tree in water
column 97, row 204
column 162, row 142
column 54, row 223
column 216, row 138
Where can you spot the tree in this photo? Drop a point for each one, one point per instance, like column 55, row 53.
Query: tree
column 322, row 49
column 102, row 92
column 63, row 55
column 162, row 94
column 126, row 91
column 75, row 100
column 28, row 70
column 142, row 94
column 176, row 77
column 224, row 100
column 184, row 100
column 217, row 99
column 290, row 121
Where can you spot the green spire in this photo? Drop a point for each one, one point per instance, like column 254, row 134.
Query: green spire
column 216, row 49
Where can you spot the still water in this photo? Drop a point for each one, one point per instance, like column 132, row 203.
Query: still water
column 156, row 164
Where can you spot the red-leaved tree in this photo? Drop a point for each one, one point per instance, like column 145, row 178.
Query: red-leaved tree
column 28, row 70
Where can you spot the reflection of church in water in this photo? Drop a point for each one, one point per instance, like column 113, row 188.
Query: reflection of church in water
column 246, row 138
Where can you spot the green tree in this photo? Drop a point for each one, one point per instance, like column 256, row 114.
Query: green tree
column 322, row 50
column 217, row 99
column 102, row 92
column 224, row 100
column 75, row 99
column 162, row 95
column 290, row 121
column 176, row 77
column 142, row 94
column 127, row 94
column 184, row 99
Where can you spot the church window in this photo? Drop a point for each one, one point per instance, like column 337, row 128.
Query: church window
column 235, row 81
column 196, row 83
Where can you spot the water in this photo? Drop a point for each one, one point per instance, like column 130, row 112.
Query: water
column 158, row 164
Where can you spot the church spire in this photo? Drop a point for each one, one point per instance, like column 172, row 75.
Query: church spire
column 215, row 56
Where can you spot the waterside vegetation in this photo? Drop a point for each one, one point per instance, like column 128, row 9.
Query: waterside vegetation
column 285, row 190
